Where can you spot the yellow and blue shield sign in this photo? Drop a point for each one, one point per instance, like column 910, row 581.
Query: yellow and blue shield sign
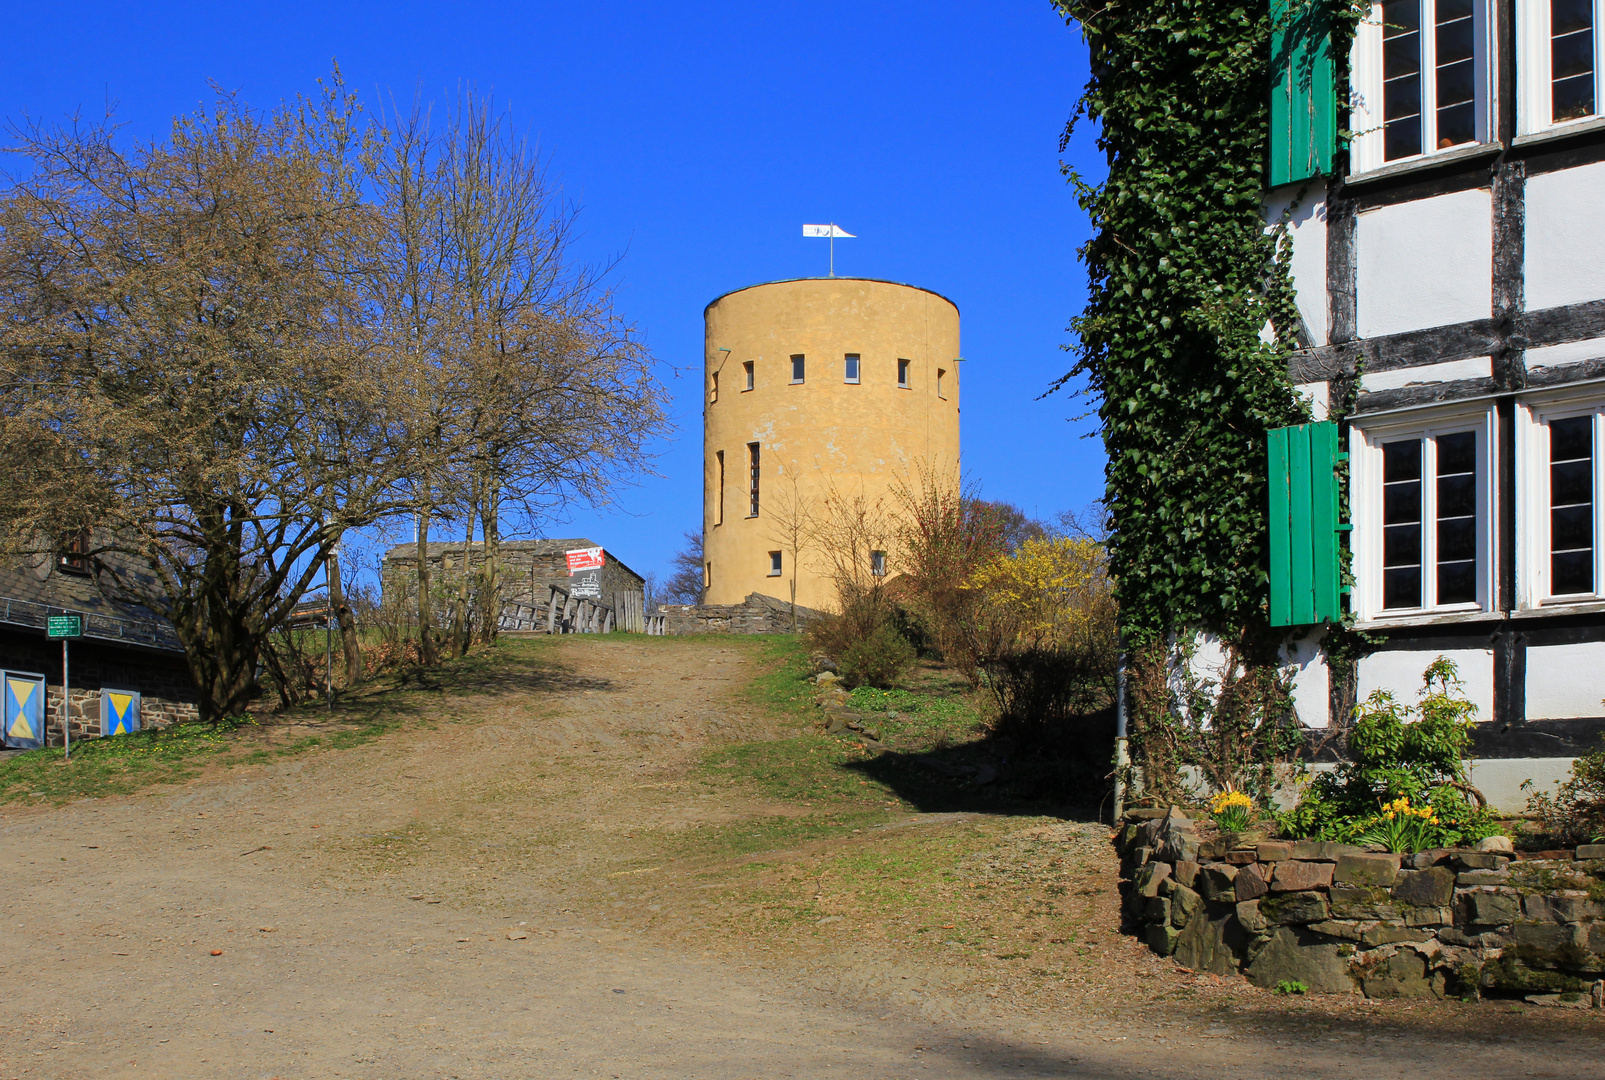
column 22, row 699
column 119, row 712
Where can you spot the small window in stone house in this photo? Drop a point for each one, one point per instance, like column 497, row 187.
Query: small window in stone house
column 774, row 564
column 713, row 391
column 797, row 368
column 747, row 368
column 877, row 563
column 902, row 373
column 851, row 368
column 940, row 372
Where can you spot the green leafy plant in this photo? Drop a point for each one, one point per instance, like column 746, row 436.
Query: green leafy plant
column 1232, row 810
column 1402, row 758
column 1291, row 986
column 878, row 659
column 1403, row 828
column 1575, row 813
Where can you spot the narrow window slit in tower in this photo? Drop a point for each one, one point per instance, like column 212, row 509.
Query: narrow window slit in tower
column 752, row 462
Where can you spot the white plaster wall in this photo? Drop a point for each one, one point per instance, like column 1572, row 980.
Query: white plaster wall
column 1477, row 367
column 1424, row 263
column 1307, row 228
column 1573, row 352
column 1400, row 671
column 1500, row 779
column 1319, row 396
column 1565, row 223
column 1310, row 679
column 1565, row 681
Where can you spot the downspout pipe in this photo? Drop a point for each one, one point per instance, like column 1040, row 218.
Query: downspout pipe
column 1122, row 758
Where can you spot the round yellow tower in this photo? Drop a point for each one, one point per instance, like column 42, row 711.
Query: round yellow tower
column 819, row 392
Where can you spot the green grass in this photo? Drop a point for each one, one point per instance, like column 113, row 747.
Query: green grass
column 125, row 764
column 114, row 766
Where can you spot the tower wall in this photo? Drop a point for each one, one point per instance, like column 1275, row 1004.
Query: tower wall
column 824, row 434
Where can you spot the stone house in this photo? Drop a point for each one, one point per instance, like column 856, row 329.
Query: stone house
column 126, row 672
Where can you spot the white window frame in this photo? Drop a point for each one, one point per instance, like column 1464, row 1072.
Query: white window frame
column 1533, row 415
column 1365, row 450
column 799, row 363
column 852, row 367
column 775, row 558
column 1365, row 89
column 905, row 373
column 1534, row 98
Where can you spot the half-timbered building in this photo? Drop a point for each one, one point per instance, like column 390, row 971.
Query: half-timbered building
column 1449, row 260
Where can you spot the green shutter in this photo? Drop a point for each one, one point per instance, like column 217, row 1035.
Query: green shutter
column 1304, row 524
column 1303, row 91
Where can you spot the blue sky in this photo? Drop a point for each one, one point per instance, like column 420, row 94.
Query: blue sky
column 699, row 137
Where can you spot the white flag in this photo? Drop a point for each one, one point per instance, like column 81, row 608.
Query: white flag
column 826, row 230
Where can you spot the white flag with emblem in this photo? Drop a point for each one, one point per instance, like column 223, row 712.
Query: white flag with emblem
column 832, row 231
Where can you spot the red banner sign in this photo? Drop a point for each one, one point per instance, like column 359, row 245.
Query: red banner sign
column 584, row 559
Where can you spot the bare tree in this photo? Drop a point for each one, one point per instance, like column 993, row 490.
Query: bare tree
column 186, row 365
column 532, row 392
column 685, row 584
column 792, row 524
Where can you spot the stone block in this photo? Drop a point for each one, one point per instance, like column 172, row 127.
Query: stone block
column 1341, row 929
column 1472, row 878
column 1402, row 975
column 1184, row 905
column 1490, row 908
column 1429, row 916
column 1298, row 876
column 1241, row 857
column 1295, row 955
column 1496, row 843
column 1217, row 883
column 1248, row 883
column 1291, row 909
column 1479, row 860
column 1185, row 872
column 1389, row 933
column 1161, row 938
column 1156, row 909
column 1249, row 917
column 1596, row 939
column 1378, row 870
column 1147, row 879
column 1145, row 813
column 1432, row 887
column 1275, row 851
column 1179, row 847
column 1543, row 907
column 1141, row 855
column 1591, row 851
column 1214, row 945
column 1352, row 903
column 1547, row 946
column 1213, row 849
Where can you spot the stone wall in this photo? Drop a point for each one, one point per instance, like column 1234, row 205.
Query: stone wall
column 1341, row 919
column 758, row 614
column 167, row 694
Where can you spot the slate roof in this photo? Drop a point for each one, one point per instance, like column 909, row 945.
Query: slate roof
column 28, row 596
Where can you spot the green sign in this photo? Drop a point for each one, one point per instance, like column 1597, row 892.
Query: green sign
column 64, row 626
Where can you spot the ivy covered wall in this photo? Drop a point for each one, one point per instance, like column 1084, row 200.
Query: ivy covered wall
column 1184, row 279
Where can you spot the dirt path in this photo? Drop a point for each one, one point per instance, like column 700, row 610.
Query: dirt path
column 544, row 881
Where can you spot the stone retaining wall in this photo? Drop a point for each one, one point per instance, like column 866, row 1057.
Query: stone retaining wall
column 758, row 614
column 1341, row 919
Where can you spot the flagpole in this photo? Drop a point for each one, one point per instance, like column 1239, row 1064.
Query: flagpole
column 832, row 249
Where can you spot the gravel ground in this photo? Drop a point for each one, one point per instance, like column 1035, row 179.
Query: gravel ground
column 534, row 884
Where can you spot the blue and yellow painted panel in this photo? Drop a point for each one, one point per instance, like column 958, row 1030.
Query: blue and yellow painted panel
column 119, row 712
column 22, row 709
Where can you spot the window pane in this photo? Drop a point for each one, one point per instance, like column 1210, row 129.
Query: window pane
column 1571, row 505
column 852, row 367
column 796, row 369
column 1457, row 73
column 1571, row 58
column 1401, row 74
column 1401, row 524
